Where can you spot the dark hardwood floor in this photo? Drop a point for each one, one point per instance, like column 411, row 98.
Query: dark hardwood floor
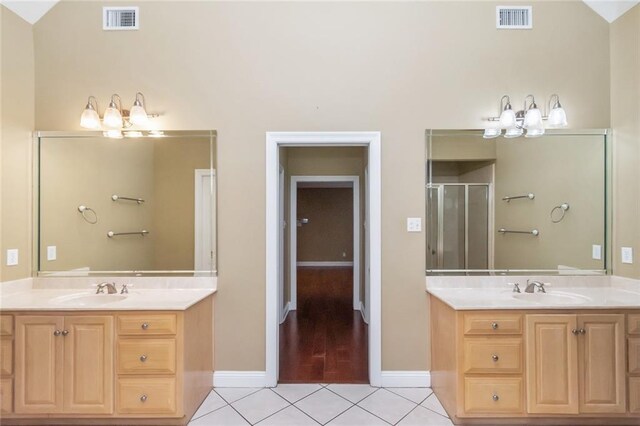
column 325, row 340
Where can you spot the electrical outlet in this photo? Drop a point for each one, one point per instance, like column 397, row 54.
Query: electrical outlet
column 51, row 253
column 414, row 224
column 596, row 252
column 627, row 255
column 12, row 257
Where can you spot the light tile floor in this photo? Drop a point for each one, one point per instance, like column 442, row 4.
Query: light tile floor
column 313, row 404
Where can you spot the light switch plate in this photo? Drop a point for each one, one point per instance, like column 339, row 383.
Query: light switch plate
column 52, row 253
column 627, row 255
column 12, row 257
column 414, row 224
column 596, row 252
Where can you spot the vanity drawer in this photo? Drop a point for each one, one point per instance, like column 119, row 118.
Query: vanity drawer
column 633, row 324
column 496, row 395
column 6, row 396
column 146, row 396
column 492, row 355
column 151, row 324
column 6, row 357
column 492, row 323
column 634, row 355
column 146, row 356
column 6, row 325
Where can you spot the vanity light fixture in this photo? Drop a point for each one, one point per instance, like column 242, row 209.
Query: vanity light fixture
column 113, row 134
column 116, row 118
column 529, row 119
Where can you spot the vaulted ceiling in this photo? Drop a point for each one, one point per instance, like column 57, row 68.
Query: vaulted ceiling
column 32, row 10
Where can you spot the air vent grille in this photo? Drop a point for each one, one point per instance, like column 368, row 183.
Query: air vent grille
column 120, row 18
column 514, row 17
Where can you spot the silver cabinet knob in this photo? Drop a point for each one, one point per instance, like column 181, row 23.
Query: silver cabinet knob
column 495, row 358
column 57, row 333
column 575, row 331
column 494, row 325
column 65, row 332
column 582, row 331
column 144, row 325
column 495, row 397
column 143, row 358
column 143, row 398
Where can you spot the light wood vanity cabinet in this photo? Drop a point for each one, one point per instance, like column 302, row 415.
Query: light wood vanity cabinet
column 106, row 367
column 528, row 364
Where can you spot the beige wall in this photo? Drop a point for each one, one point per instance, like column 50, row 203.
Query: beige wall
column 328, row 237
column 17, row 109
column 625, row 120
column 557, row 169
column 248, row 68
column 88, row 172
column 175, row 162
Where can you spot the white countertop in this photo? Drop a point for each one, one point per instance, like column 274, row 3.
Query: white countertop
column 477, row 293
column 80, row 295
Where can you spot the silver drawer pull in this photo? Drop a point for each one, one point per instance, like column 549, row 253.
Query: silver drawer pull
column 57, row 333
column 575, row 331
column 143, row 358
column 495, row 397
column 65, row 332
column 495, row 358
column 145, row 325
column 494, row 325
column 143, row 398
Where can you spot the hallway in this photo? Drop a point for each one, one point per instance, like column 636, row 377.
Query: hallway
column 325, row 340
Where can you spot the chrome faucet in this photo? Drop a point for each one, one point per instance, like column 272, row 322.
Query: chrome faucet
column 111, row 288
column 531, row 285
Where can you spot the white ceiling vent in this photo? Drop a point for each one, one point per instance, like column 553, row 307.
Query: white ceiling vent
column 120, row 18
column 514, row 17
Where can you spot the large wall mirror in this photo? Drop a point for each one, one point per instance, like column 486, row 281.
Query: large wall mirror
column 517, row 205
column 141, row 205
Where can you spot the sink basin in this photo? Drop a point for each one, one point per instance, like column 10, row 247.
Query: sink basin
column 552, row 298
column 89, row 299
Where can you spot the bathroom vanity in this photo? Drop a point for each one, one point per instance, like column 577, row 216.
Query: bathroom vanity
column 75, row 357
column 501, row 357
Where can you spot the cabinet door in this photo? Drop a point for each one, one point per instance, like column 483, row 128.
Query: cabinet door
column 601, row 361
column 38, row 362
column 88, row 366
column 552, row 364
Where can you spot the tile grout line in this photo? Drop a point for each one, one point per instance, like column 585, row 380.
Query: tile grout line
column 362, row 408
column 234, row 408
column 410, row 411
column 421, row 401
column 433, row 411
column 297, row 400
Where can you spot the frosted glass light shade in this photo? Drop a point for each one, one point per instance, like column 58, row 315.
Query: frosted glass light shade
column 514, row 132
column 534, row 132
column 507, row 119
column 138, row 115
column 113, row 134
column 533, row 118
column 90, row 119
column 557, row 117
column 112, row 118
column 492, row 132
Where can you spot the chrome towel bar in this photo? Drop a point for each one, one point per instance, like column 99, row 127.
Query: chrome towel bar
column 112, row 234
column 119, row 197
column 533, row 232
column 508, row 198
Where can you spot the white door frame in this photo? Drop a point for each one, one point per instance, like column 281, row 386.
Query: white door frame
column 293, row 242
column 274, row 140
column 199, row 219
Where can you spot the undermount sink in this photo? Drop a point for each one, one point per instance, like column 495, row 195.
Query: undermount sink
column 89, row 299
column 552, row 298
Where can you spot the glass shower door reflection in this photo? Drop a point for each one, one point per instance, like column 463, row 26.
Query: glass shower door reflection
column 454, row 228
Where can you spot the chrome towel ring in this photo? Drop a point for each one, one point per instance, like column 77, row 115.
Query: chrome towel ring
column 84, row 209
column 558, row 212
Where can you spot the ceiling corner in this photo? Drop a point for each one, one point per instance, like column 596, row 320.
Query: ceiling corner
column 29, row 10
column 611, row 9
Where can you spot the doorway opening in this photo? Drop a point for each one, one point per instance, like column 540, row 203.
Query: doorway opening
column 337, row 273
column 323, row 332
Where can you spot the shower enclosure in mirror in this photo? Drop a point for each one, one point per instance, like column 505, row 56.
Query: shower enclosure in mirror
column 142, row 205
column 517, row 205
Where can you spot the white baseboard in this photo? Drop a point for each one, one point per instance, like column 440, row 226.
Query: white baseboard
column 406, row 379
column 287, row 308
column 239, row 379
column 363, row 313
column 323, row 264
